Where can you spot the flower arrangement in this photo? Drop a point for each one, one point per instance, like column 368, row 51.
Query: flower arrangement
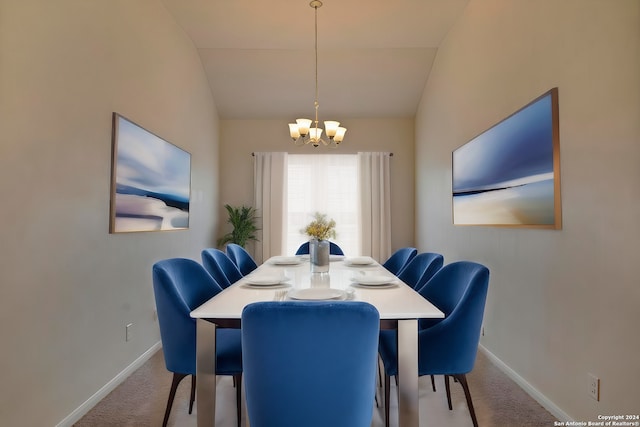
column 320, row 228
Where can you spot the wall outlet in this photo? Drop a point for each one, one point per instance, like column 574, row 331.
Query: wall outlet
column 594, row 387
column 155, row 315
column 129, row 332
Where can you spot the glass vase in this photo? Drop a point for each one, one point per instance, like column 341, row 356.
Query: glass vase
column 319, row 256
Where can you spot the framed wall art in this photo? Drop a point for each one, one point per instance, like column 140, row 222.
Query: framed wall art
column 509, row 175
column 150, row 181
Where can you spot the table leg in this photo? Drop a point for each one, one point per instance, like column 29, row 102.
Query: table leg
column 206, row 373
column 408, row 409
column 244, row 403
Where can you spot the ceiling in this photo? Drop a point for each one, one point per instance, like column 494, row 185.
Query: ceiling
column 374, row 57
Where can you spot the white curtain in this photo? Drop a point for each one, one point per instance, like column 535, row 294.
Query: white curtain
column 270, row 200
column 375, row 204
column 325, row 183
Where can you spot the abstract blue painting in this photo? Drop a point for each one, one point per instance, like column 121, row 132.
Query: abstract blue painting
column 510, row 174
column 150, row 181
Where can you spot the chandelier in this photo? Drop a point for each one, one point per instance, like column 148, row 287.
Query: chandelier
column 302, row 132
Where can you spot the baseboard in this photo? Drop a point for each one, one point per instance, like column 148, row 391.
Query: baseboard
column 528, row 388
column 108, row 387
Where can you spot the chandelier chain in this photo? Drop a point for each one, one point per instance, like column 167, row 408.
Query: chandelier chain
column 316, row 105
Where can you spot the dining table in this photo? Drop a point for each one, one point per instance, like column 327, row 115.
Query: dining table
column 358, row 278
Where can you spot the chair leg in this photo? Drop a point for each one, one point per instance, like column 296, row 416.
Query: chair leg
column 172, row 394
column 448, row 388
column 433, row 383
column 462, row 379
column 387, row 392
column 238, row 380
column 193, row 393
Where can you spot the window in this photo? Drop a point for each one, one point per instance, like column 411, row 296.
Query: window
column 325, row 183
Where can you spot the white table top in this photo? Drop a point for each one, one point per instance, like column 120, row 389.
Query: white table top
column 394, row 302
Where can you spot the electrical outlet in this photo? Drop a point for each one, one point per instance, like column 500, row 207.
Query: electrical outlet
column 129, row 332
column 594, row 387
column 155, row 315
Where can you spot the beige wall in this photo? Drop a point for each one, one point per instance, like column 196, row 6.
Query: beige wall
column 68, row 286
column 237, row 142
column 561, row 303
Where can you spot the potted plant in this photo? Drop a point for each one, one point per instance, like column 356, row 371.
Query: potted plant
column 243, row 220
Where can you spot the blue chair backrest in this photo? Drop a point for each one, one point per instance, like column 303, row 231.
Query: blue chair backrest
column 241, row 258
column 459, row 290
column 218, row 264
column 420, row 269
column 180, row 285
column 310, row 364
column 333, row 249
column 399, row 259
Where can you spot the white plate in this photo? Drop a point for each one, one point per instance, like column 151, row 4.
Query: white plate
column 265, row 279
column 285, row 260
column 317, row 294
column 373, row 280
column 359, row 260
column 381, row 286
column 336, row 257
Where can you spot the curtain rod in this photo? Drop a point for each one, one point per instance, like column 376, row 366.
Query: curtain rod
column 254, row 154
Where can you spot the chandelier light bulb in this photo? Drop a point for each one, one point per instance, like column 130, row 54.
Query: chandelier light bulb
column 303, row 126
column 315, row 134
column 293, row 131
column 331, row 127
column 339, row 134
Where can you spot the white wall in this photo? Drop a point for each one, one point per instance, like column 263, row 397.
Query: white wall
column 238, row 140
column 68, row 286
column 561, row 303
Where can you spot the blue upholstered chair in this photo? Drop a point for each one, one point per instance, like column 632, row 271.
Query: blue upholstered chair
column 333, row 249
column 220, row 266
column 180, row 285
column 310, row 363
column 420, row 269
column 416, row 273
column 399, row 259
column 449, row 347
column 241, row 258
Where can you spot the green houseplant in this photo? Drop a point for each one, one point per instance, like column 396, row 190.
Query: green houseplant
column 243, row 220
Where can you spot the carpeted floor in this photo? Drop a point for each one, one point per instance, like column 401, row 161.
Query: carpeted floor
column 140, row 401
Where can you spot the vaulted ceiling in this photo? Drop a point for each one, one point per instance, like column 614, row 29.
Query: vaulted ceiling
column 374, row 57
